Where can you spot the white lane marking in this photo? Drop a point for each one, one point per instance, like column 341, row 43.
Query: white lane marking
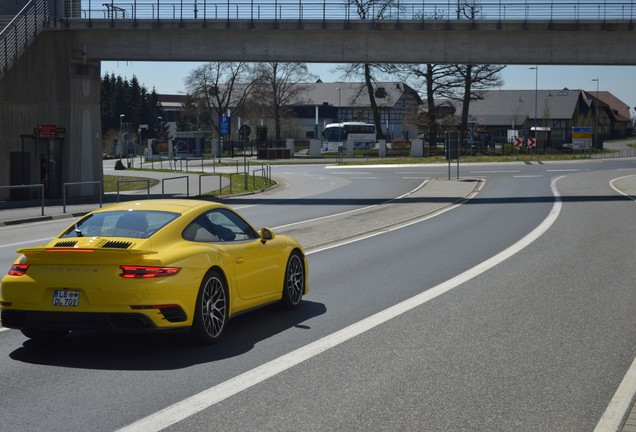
column 385, row 230
column 420, row 186
column 417, row 172
column 363, row 178
column 350, row 172
column 45, row 240
column 3, row 329
column 496, row 171
column 207, row 398
column 611, row 183
column 528, row 176
column 613, row 416
column 565, row 170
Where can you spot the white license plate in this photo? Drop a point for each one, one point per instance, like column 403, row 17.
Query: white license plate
column 65, row 298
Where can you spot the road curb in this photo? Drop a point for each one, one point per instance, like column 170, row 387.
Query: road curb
column 342, row 228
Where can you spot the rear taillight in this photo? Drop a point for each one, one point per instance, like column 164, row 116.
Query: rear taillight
column 133, row 272
column 18, row 269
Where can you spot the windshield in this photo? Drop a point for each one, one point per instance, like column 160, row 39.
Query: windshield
column 123, row 223
column 333, row 134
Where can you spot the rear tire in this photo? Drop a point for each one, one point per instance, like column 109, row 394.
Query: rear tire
column 294, row 283
column 211, row 313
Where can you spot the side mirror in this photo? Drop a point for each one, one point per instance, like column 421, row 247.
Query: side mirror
column 267, row 234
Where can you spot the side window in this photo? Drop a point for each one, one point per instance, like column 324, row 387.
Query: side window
column 198, row 232
column 219, row 225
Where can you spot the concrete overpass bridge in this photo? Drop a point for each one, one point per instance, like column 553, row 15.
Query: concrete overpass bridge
column 50, row 54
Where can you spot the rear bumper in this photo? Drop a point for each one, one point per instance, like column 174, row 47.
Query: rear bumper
column 82, row 321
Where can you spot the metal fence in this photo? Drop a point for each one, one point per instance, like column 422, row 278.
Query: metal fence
column 423, row 10
column 18, row 34
column 38, row 186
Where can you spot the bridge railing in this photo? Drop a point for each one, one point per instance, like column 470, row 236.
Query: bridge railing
column 18, row 34
column 410, row 10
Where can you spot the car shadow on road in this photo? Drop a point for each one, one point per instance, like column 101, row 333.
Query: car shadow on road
column 167, row 351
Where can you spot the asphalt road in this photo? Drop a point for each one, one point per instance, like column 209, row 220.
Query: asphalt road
column 510, row 311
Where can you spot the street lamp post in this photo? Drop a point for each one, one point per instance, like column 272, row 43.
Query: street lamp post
column 536, row 98
column 121, row 134
column 338, row 111
column 597, row 108
column 536, row 103
column 153, row 148
column 339, row 121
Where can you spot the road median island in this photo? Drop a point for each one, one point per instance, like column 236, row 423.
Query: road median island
column 627, row 185
column 434, row 196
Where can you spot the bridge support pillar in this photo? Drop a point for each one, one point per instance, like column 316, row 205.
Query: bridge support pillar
column 52, row 85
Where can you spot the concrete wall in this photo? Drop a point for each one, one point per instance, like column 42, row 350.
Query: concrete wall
column 480, row 42
column 49, row 86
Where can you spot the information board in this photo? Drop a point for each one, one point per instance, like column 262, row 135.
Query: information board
column 581, row 138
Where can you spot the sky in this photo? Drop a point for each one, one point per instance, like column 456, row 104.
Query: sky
column 168, row 77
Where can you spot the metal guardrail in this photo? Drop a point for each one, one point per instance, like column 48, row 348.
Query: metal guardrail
column 163, row 184
column 101, row 192
column 615, row 154
column 134, row 181
column 264, row 175
column 211, row 175
column 422, row 10
column 30, row 186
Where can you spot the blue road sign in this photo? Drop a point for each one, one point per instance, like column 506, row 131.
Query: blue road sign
column 224, row 125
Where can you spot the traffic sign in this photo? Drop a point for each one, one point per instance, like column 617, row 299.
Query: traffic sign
column 244, row 132
column 532, row 142
column 518, row 142
column 224, row 125
column 581, row 138
column 47, row 131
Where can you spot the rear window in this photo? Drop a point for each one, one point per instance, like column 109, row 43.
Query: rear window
column 124, row 223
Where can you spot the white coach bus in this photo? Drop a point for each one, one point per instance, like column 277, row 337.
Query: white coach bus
column 336, row 135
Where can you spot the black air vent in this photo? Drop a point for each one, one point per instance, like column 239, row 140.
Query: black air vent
column 66, row 244
column 117, row 244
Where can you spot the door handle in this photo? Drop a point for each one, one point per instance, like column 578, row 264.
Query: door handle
column 239, row 260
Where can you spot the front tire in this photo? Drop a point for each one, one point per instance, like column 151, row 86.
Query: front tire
column 294, row 284
column 211, row 313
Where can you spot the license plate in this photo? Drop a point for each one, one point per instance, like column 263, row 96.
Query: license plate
column 65, row 298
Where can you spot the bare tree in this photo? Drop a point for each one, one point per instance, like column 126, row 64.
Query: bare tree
column 370, row 73
column 278, row 86
column 218, row 87
column 440, row 81
column 475, row 78
column 370, row 9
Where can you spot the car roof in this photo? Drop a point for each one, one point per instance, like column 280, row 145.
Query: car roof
column 182, row 206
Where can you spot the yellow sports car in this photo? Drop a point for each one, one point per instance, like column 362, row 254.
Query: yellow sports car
column 151, row 265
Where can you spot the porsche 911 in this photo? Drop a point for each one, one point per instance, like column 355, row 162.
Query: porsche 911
column 153, row 265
